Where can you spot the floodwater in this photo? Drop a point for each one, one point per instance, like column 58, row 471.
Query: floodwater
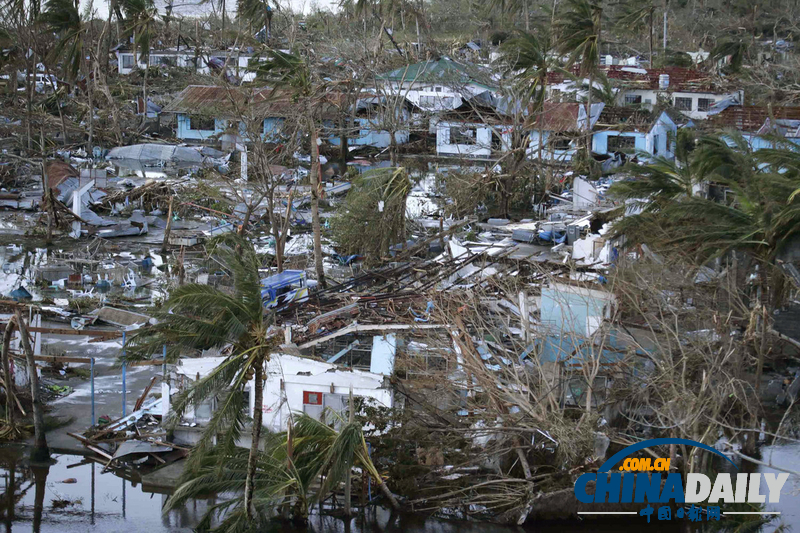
column 45, row 499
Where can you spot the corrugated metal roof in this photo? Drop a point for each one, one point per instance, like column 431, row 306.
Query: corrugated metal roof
column 222, row 101
column 749, row 119
column 680, row 78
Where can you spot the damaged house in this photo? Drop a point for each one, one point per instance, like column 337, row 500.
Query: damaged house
column 293, row 385
column 204, row 113
column 556, row 131
column 689, row 91
column 475, row 128
column 439, row 85
column 631, row 129
column 236, row 62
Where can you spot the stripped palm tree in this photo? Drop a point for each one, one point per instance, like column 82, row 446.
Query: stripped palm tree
column 287, row 472
column 579, row 28
column 141, row 23
column 258, row 13
column 199, row 317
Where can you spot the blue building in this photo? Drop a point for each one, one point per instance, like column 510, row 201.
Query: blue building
column 635, row 130
column 203, row 113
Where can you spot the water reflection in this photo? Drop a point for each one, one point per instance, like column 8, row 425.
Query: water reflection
column 74, row 495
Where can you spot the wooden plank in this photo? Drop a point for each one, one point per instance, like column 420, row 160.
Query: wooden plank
column 140, row 401
column 154, row 362
column 105, row 335
column 101, row 453
column 61, row 359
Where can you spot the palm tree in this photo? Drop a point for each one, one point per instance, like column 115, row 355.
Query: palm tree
column 141, row 21
column 579, row 28
column 63, row 18
column 288, row 72
column 662, row 180
column 736, row 49
column 761, row 221
column 201, row 317
column 258, row 13
column 526, row 60
column 514, row 7
column 287, row 472
column 40, row 452
column 633, row 15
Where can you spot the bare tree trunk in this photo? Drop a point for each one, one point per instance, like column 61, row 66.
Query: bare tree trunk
column 315, row 190
column 248, row 213
column 144, row 90
column 9, row 382
column 40, row 452
column 168, row 229
column 249, row 486
column 47, row 199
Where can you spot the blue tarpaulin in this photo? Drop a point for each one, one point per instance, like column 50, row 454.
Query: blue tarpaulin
column 553, row 236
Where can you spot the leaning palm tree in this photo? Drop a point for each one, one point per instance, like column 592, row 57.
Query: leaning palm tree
column 202, row 317
column 579, row 29
column 141, row 22
column 294, row 74
column 288, row 472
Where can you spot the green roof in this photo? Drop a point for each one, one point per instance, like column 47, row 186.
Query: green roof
column 441, row 71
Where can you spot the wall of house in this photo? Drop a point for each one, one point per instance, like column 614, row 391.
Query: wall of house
column 600, row 140
column 757, row 142
column 370, row 135
column 572, row 310
column 278, row 405
column 444, row 97
column 185, row 130
column 446, row 146
column 236, row 65
column 547, row 152
column 651, row 97
column 272, row 129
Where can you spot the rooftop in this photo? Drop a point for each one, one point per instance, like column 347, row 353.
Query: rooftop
column 444, row 71
column 680, row 78
column 750, row 119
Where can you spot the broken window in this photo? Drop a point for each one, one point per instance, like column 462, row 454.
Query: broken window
column 560, row 143
column 127, row 60
column 447, row 101
column 633, row 99
column 463, row 135
column 427, row 101
column 704, row 104
column 621, row 143
column 683, row 104
column 197, row 122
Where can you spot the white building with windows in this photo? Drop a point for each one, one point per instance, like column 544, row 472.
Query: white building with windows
column 690, row 91
column 236, row 62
